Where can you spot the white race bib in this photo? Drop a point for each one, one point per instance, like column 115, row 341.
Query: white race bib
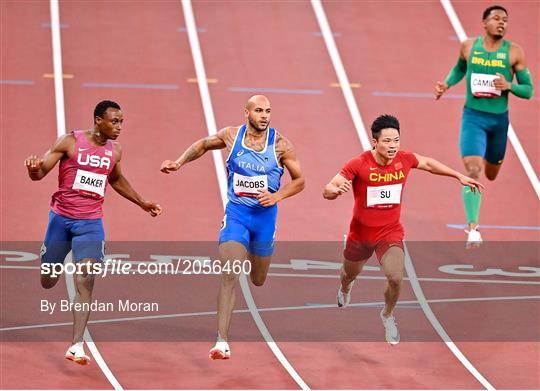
column 90, row 183
column 482, row 86
column 249, row 186
column 384, row 195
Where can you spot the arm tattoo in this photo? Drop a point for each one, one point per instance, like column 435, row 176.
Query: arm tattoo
column 191, row 154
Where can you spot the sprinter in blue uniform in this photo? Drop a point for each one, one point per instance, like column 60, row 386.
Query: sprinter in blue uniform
column 257, row 157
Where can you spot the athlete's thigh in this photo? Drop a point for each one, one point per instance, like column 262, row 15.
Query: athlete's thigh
column 497, row 139
column 472, row 137
column 262, row 231
column 393, row 262
column 353, row 268
column 259, row 266
column 234, row 227
column 88, row 240
column 231, row 252
column 57, row 242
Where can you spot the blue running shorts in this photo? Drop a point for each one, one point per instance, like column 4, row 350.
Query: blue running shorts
column 255, row 228
column 85, row 237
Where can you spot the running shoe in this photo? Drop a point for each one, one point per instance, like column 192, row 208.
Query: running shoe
column 474, row 239
column 220, row 351
column 76, row 354
column 343, row 299
column 391, row 332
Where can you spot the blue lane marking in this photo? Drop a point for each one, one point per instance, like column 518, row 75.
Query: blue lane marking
column 18, row 82
column 48, row 25
column 428, row 95
column 184, row 30
column 129, row 85
column 275, row 90
column 517, row 227
column 425, row 95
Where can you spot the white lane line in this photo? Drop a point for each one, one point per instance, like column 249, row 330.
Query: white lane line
column 341, row 74
column 61, row 130
column 70, row 284
column 419, row 293
column 273, row 309
column 512, row 136
column 222, row 181
column 57, row 67
column 364, row 140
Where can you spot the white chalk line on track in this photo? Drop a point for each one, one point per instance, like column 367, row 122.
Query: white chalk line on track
column 61, row 130
column 222, row 183
column 274, row 309
column 366, row 145
column 512, row 136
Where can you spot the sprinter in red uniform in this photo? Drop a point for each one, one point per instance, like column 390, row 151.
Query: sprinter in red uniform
column 377, row 178
column 89, row 159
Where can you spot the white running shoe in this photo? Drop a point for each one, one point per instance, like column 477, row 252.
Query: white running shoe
column 76, row 354
column 474, row 239
column 391, row 332
column 220, row 351
column 343, row 299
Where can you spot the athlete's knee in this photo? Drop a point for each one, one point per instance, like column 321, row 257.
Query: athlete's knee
column 473, row 171
column 351, row 269
column 491, row 173
column 258, row 280
column 394, row 280
column 228, row 279
column 48, row 281
column 349, row 275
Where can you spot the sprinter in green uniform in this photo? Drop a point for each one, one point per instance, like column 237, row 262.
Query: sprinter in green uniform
column 489, row 64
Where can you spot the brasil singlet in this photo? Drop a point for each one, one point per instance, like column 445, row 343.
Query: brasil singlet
column 482, row 67
column 82, row 179
column 377, row 189
column 249, row 171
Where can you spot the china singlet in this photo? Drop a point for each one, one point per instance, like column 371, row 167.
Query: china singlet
column 378, row 190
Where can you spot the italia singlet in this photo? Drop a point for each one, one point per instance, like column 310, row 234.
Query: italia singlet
column 82, row 179
column 482, row 67
column 250, row 172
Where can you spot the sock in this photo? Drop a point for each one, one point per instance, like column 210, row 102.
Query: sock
column 471, row 201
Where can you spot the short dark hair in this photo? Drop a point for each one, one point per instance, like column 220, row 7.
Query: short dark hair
column 383, row 122
column 493, row 8
column 102, row 107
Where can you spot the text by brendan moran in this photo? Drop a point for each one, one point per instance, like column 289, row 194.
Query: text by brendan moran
column 97, row 306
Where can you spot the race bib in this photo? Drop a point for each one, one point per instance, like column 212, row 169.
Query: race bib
column 90, row 184
column 482, row 86
column 384, row 195
column 249, row 186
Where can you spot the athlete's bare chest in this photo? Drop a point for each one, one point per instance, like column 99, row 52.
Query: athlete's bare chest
column 257, row 143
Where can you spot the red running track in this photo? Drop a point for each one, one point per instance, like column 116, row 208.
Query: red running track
column 117, row 44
